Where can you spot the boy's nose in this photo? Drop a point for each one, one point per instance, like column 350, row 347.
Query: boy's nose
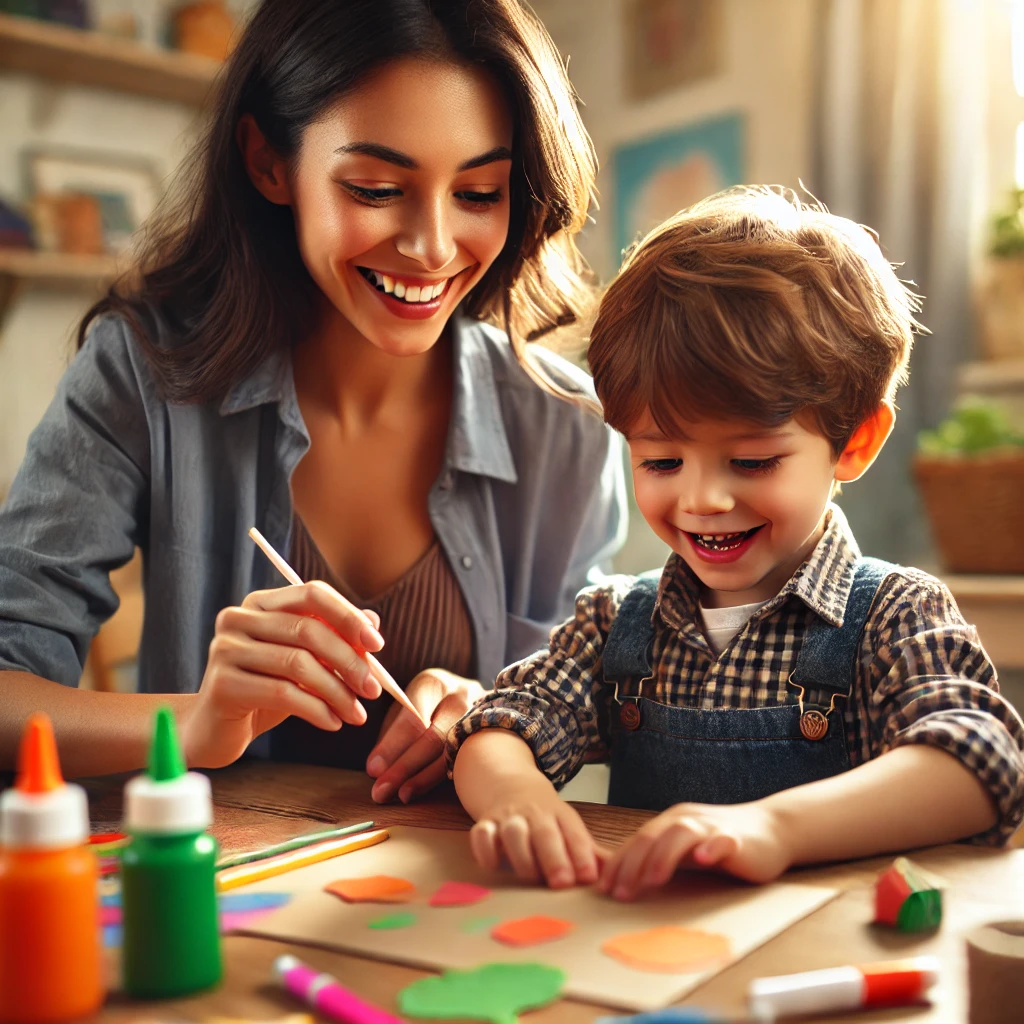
column 705, row 497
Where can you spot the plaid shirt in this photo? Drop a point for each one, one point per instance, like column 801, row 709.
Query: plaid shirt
column 922, row 673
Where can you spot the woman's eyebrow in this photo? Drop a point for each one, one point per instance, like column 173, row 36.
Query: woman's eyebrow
column 393, row 156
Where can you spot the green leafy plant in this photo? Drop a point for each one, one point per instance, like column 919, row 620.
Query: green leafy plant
column 973, row 428
column 1008, row 228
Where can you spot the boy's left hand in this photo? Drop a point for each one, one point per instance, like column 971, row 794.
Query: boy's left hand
column 745, row 840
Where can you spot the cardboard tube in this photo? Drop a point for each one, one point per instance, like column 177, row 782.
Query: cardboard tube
column 995, row 972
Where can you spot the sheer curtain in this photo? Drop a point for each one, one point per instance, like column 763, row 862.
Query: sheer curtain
column 899, row 145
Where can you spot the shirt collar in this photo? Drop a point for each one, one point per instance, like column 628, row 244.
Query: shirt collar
column 822, row 582
column 477, row 439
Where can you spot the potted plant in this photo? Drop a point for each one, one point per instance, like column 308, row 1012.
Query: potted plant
column 1001, row 307
column 970, row 473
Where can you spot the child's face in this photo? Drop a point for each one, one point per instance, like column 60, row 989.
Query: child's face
column 742, row 504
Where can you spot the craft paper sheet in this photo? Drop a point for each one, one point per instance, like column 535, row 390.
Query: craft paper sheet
column 748, row 915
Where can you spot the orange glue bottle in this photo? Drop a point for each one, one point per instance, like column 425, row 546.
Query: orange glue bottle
column 51, row 965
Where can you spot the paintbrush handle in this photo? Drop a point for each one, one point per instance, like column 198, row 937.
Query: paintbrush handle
column 379, row 672
column 292, row 844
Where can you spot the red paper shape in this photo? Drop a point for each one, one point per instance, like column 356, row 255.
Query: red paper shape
column 458, row 894
column 530, row 931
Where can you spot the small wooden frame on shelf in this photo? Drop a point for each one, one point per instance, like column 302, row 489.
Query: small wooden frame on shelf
column 89, row 58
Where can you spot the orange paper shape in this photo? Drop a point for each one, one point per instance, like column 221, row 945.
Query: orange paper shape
column 529, row 931
column 459, row 894
column 372, row 889
column 669, row 950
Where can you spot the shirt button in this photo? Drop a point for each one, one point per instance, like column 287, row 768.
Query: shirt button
column 467, row 561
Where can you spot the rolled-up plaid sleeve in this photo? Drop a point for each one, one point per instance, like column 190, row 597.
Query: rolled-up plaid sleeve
column 933, row 683
column 555, row 699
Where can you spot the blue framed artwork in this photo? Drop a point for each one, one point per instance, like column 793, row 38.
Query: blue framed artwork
column 656, row 177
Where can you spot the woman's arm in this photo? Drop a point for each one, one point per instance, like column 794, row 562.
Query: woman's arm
column 97, row 733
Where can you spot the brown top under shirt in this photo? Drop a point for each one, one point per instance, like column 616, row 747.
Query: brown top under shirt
column 425, row 624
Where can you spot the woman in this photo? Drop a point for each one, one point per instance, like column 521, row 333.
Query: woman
column 305, row 351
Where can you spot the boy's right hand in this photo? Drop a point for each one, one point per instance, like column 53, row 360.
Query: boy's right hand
column 519, row 817
column 288, row 651
column 540, row 836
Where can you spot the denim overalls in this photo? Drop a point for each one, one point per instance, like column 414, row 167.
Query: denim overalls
column 662, row 755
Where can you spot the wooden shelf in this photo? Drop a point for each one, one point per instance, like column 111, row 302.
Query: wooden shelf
column 88, row 58
column 992, row 378
column 57, row 268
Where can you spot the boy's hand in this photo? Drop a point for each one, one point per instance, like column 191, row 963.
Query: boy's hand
column 745, row 840
column 540, row 836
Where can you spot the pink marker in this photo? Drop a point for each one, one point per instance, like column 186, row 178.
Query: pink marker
column 326, row 994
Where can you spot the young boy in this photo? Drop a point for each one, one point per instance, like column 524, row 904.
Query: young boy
column 781, row 699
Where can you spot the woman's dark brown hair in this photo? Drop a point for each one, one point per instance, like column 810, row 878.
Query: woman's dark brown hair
column 220, row 264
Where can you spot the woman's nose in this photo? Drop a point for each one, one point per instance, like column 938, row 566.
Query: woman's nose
column 428, row 238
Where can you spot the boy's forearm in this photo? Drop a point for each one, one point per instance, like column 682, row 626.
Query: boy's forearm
column 494, row 764
column 909, row 797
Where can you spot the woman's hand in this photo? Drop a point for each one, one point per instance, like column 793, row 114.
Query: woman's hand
column 409, row 758
column 290, row 651
column 745, row 840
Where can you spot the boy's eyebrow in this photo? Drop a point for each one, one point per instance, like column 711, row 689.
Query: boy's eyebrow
column 393, row 156
column 755, row 435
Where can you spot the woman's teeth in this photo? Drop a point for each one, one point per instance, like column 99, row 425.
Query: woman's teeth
column 406, row 293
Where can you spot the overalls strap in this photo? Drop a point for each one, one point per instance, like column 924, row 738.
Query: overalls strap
column 627, row 649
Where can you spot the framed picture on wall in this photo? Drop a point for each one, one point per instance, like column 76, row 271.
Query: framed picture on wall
column 670, row 43
column 657, row 177
column 120, row 191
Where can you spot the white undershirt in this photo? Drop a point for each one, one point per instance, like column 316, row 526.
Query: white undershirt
column 722, row 624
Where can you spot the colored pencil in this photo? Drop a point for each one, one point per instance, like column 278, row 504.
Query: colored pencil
column 292, row 844
column 380, row 673
column 232, row 878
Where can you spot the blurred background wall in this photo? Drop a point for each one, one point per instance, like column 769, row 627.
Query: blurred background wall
column 902, row 114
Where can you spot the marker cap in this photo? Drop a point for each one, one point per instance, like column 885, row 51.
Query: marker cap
column 42, row 811
column 167, row 800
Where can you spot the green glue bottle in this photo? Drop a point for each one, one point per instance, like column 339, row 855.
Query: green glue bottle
column 171, row 942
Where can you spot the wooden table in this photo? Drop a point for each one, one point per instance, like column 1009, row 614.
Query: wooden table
column 259, row 803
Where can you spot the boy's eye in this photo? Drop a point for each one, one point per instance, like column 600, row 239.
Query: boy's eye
column 756, row 465
column 661, row 465
column 373, row 195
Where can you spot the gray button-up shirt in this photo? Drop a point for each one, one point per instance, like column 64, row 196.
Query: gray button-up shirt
column 529, row 504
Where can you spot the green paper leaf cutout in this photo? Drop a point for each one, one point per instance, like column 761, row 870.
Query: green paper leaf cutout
column 391, row 921
column 493, row 992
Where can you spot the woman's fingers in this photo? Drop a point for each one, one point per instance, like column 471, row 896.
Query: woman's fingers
column 424, row 781
column 424, row 750
column 400, row 732
column 292, row 665
column 320, row 599
column 255, row 691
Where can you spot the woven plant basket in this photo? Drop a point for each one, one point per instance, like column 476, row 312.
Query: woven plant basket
column 975, row 505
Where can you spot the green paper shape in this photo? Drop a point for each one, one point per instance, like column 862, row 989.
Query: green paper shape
column 493, row 992
column 479, row 924
column 921, row 911
column 165, row 760
column 391, row 921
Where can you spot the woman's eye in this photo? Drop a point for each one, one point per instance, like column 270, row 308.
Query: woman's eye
column 373, row 195
column 661, row 465
column 480, row 198
column 756, row 465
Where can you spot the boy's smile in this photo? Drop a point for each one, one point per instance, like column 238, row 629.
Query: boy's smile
column 742, row 504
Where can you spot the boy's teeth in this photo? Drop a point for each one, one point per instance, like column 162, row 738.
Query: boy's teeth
column 412, row 293
column 399, row 290
column 389, row 284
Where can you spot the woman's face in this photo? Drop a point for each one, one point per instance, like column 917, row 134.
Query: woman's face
column 400, row 197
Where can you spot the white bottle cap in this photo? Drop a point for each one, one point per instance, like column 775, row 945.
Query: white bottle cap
column 54, row 820
column 170, row 807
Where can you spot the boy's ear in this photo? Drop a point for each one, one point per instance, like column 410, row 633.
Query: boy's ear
column 862, row 449
column 266, row 170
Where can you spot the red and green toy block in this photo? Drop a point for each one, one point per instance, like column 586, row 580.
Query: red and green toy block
column 907, row 898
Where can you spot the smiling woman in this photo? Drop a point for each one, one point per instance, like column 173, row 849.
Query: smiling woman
column 328, row 335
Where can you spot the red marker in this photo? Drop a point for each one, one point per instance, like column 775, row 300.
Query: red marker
column 891, row 983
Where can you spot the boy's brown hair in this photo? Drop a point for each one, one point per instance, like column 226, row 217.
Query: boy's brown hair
column 753, row 305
